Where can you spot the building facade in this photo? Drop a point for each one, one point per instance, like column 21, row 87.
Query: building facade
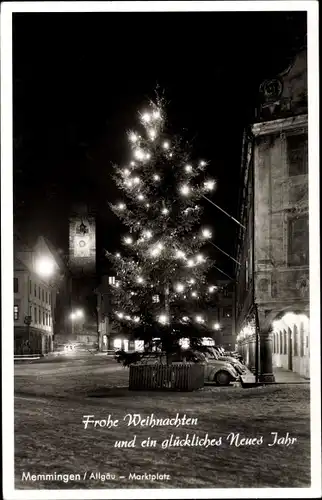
column 222, row 315
column 272, row 293
column 37, row 279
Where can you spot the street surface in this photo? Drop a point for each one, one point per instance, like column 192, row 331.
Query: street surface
column 53, row 396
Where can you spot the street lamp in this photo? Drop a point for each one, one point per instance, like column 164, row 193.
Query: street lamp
column 45, row 266
column 74, row 316
column 216, row 326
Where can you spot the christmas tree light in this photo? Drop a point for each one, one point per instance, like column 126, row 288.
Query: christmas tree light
column 165, row 261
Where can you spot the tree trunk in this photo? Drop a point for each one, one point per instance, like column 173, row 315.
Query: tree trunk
column 167, row 312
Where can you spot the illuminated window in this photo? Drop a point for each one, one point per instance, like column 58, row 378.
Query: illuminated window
column 155, row 299
column 16, row 312
column 117, row 344
column 111, row 280
column 139, row 345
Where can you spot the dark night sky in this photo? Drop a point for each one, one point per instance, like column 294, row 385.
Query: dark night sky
column 79, row 80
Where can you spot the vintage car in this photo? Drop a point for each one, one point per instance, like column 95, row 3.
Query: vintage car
column 239, row 367
column 219, row 371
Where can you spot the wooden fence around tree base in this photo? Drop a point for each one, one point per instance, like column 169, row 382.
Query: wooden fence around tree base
column 176, row 377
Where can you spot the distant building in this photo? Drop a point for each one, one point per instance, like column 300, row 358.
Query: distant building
column 82, row 282
column 272, row 293
column 37, row 280
column 223, row 315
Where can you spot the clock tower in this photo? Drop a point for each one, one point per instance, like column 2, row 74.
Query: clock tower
column 82, row 242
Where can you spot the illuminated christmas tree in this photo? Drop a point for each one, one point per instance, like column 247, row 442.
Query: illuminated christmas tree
column 160, row 292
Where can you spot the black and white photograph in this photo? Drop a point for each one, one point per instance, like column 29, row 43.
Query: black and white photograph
column 160, row 249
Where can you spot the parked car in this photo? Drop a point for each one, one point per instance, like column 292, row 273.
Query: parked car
column 239, row 367
column 236, row 355
column 219, row 371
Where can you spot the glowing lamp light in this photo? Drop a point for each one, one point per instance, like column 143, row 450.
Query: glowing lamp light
column 160, row 246
column 179, row 287
column 128, row 240
column 126, row 172
column 121, row 206
column 152, row 134
column 147, row 156
column 192, row 281
column 166, row 145
column 45, row 266
column 138, row 153
column 190, row 263
column 136, row 180
column 180, row 254
column 136, row 319
column 211, row 289
column 156, row 114
column 163, row 319
column 132, row 163
column 140, row 197
column 133, row 137
column 165, row 211
column 184, row 343
column 148, row 234
column 185, row 318
column 202, row 163
column 216, row 326
column 193, row 294
column 156, row 177
column 129, row 183
column 117, row 284
column 140, row 279
column 118, row 255
column 200, row 258
column 120, row 315
column 206, row 233
column 200, row 319
column 185, row 190
column 155, row 251
column 188, row 168
column 209, row 185
column 147, row 205
column 146, row 117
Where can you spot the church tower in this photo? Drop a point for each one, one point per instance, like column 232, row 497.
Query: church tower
column 82, row 242
column 82, row 267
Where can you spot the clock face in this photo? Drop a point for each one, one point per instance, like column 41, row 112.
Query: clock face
column 82, row 246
